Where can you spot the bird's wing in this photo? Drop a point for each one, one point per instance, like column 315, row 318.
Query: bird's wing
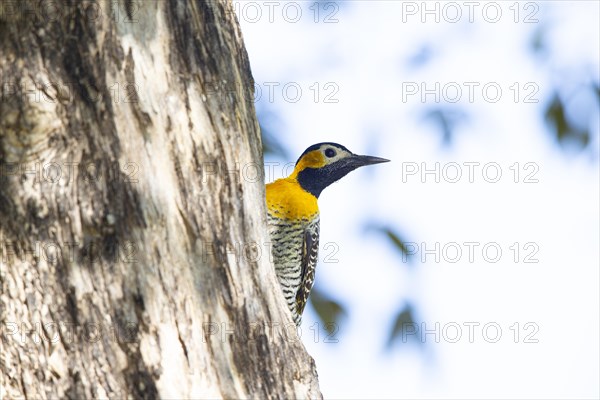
column 310, row 251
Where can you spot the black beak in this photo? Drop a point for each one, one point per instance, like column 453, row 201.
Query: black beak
column 361, row 161
column 314, row 180
column 345, row 165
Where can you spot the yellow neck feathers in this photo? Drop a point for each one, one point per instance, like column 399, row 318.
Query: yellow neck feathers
column 314, row 159
column 287, row 199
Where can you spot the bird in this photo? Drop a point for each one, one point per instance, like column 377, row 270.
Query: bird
column 293, row 217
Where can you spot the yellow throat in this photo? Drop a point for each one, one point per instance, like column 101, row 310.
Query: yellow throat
column 287, row 199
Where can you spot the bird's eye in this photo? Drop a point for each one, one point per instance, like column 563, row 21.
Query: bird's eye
column 330, row 153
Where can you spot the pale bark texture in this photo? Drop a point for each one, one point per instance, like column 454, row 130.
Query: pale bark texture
column 134, row 252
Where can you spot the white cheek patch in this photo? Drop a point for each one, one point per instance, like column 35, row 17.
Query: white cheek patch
column 339, row 154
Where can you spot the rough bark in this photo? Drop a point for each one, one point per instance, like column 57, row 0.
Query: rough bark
column 134, row 252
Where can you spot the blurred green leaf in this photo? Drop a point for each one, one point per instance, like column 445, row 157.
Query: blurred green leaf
column 555, row 115
column 399, row 243
column 328, row 310
column 564, row 132
column 397, row 240
column 404, row 327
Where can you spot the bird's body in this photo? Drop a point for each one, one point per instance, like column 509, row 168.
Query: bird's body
column 293, row 217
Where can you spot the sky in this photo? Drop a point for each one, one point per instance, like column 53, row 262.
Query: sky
column 502, row 222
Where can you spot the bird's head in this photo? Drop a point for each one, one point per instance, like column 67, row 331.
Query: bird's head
column 324, row 163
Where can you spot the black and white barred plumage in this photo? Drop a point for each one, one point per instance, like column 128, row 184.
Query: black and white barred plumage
column 295, row 248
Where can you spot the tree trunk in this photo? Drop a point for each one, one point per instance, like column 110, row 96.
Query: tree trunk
column 134, row 252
